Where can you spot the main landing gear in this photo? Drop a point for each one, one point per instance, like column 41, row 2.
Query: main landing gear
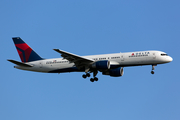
column 88, row 75
column 152, row 72
column 94, row 79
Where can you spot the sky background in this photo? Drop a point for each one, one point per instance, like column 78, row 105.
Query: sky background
column 86, row 28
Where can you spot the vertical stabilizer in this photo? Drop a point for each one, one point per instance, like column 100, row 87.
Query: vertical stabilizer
column 26, row 53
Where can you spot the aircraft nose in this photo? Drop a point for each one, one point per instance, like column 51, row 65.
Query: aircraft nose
column 169, row 59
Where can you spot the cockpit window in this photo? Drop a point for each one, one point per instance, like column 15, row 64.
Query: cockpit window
column 163, row 54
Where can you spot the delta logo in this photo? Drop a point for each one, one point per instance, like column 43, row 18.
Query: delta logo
column 139, row 54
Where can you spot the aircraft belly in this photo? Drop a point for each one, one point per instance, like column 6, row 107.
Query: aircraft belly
column 62, row 70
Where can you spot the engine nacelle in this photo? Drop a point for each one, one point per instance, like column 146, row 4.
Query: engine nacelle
column 100, row 65
column 115, row 72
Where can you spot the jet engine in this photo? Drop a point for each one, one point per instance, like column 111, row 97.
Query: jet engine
column 115, row 72
column 105, row 64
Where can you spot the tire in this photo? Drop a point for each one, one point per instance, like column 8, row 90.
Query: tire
column 152, row 72
column 88, row 75
column 84, row 76
column 92, row 80
column 96, row 79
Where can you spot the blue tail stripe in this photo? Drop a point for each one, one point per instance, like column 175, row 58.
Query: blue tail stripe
column 18, row 40
column 34, row 56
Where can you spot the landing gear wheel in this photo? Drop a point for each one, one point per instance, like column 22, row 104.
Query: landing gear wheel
column 96, row 79
column 152, row 72
column 84, row 76
column 88, row 75
column 92, row 80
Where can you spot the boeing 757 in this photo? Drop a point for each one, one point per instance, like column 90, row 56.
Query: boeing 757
column 108, row 64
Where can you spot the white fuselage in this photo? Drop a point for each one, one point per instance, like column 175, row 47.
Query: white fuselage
column 59, row 65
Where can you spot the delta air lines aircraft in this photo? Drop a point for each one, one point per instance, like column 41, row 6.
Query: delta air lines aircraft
column 108, row 64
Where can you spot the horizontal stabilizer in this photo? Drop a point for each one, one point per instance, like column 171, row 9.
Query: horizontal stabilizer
column 20, row 63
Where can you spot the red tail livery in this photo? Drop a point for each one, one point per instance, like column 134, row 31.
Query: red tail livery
column 26, row 53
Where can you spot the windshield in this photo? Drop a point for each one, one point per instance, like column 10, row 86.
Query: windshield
column 163, row 54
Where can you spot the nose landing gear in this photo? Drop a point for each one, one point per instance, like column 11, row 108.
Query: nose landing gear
column 153, row 68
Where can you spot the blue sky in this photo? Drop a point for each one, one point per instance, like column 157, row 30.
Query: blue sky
column 87, row 28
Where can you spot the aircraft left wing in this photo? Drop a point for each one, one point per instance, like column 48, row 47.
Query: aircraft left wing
column 78, row 60
column 20, row 63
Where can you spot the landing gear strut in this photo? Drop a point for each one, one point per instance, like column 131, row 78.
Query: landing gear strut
column 152, row 72
column 94, row 75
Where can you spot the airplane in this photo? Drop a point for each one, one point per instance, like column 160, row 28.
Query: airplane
column 108, row 64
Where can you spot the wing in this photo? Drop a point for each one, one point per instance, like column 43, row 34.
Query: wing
column 78, row 60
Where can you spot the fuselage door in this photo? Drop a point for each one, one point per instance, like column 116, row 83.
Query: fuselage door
column 40, row 64
column 154, row 56
column 122, row 58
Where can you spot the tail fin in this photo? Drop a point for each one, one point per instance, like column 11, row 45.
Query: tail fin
column 25, row 52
